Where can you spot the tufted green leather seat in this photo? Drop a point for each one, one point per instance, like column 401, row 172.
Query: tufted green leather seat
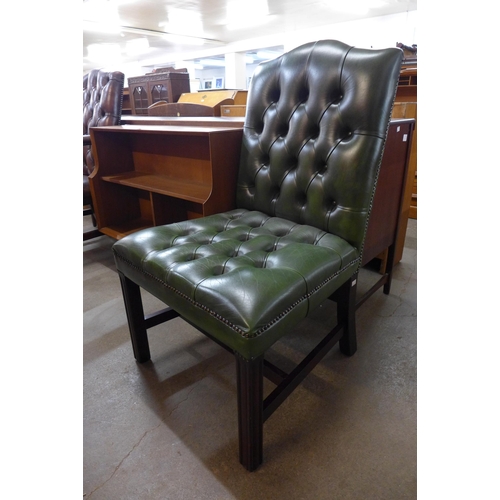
column 247, row 275
column 314, row 133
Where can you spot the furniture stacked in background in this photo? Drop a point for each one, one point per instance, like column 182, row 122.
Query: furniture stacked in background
column 406, row 107
column 153, row 200
column 203, row 103
column 166, row 84
column 102, row 106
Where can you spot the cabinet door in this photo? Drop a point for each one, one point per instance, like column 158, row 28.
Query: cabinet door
column 158, row 92
column 139, row 99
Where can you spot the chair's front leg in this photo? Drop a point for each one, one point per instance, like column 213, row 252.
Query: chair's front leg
column 250, row 410
column 135, row 317
column 346, row 314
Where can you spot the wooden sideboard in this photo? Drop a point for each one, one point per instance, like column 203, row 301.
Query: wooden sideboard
column 154, row 175
column 162, row 86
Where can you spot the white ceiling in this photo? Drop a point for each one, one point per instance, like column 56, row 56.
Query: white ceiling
column 188, row 29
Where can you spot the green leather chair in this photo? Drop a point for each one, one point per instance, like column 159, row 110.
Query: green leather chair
column 314, row 134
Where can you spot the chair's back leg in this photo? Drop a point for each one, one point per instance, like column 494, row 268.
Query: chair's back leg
column 346, row 314
column 250, row 410
column 389, row 268
column 135, row 316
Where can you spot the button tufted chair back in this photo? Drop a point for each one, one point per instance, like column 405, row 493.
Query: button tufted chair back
column 314, row 133
column 102, row 106
column 310, row 137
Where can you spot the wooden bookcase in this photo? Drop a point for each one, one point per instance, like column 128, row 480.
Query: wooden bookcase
column 154, row 175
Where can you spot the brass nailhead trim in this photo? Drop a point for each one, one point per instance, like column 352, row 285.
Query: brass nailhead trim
column 224, row 320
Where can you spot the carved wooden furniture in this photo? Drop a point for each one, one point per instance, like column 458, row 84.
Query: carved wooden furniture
column 162, row 86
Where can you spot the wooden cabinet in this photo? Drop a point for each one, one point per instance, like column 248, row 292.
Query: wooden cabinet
column 407, row 84
column 234, row 110
column 406, row 107
column 151, row 88
column 154, row 175
column 388, row 222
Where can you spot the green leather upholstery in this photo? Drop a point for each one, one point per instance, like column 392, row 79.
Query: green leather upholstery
column 313, row 138
column 242, row 276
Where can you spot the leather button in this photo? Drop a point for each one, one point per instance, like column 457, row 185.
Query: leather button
column 314, row 133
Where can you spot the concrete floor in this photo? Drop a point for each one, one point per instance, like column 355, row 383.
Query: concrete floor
column 168, row 429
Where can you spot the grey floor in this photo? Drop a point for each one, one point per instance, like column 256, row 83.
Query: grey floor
column 168, row 430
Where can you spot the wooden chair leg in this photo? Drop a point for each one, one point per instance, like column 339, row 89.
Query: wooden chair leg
column 346, row 313
column 391, row 253
column 250, row 410
column 135, row 317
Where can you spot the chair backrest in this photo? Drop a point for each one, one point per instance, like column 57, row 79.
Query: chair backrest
column 315, row 127
column 102, row 105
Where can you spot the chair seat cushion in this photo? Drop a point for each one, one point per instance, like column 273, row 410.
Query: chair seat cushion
column 241, row 276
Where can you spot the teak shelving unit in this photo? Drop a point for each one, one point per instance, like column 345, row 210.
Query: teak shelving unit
column 154, row 175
